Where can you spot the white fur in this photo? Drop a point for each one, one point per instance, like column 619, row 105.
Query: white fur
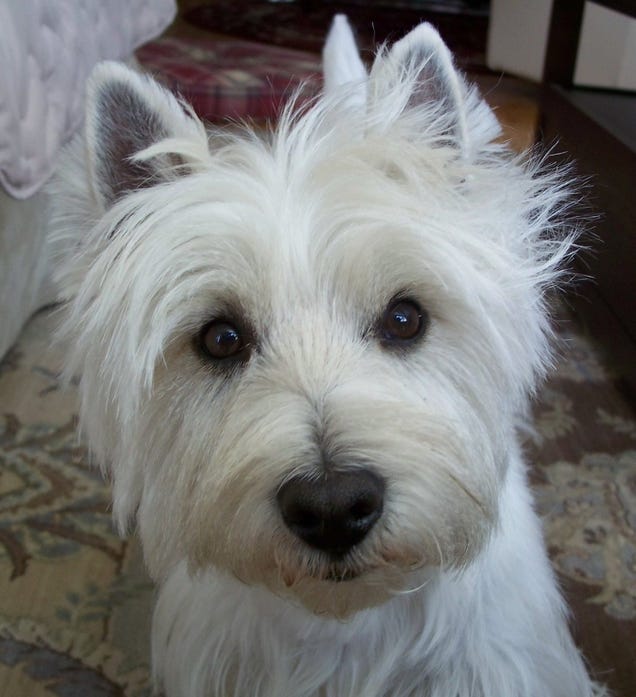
column 342, row 64
column 306, row 235
column 486, row 631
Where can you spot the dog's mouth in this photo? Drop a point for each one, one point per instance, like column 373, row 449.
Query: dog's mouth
column 341, row 587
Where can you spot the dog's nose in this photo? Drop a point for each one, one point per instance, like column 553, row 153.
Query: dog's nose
column 334, row 512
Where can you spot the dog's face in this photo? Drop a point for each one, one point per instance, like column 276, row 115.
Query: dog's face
column 302, row 356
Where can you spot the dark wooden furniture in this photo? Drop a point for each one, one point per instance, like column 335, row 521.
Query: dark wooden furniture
column 597, row 128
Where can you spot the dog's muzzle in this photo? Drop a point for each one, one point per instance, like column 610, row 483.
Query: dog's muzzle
column 335, row 512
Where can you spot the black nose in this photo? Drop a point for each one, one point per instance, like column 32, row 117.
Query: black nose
column 334, row 512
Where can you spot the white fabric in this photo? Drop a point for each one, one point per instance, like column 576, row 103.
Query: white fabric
column 24, row 277
column 47, row 50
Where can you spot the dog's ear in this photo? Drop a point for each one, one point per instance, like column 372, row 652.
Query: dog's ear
column 127, row 114
column 342, row 64
column 417, row 75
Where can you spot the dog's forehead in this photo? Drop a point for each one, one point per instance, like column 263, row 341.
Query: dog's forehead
column 302, row 245
column 348, row 229
column 307, row 212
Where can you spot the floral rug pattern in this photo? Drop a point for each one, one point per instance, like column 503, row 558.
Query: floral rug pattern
column 75, row 602
column 74, row 599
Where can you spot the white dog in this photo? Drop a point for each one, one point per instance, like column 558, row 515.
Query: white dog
column 304, row 358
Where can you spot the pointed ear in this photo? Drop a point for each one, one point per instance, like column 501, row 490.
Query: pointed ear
column 341, row 62
column 127, row 113
column 418, row 73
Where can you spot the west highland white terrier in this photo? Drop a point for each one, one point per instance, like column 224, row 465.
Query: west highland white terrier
column 305, row 357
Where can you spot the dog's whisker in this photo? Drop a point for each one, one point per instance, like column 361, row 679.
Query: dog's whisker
column 414, row 589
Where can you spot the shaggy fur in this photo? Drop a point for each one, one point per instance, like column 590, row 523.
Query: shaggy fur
column 389, row 185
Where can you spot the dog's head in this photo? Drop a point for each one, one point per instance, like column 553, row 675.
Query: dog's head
column 302, row 354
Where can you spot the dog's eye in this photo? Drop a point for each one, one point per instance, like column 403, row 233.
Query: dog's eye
column 220, row 339
column 402, row 321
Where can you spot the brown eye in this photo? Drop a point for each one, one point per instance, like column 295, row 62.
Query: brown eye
column 220, row 339
column 402, row 321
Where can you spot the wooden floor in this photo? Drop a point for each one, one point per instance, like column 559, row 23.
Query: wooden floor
column 515, row 103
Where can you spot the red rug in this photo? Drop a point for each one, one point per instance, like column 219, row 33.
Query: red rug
column 304, row 25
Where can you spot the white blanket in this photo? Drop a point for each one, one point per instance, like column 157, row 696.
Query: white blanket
column 47, row 50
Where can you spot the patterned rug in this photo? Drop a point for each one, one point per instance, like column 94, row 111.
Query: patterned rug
column 230, row 78
column 75, row 602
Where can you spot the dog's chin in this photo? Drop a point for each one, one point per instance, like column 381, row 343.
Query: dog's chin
column 336, row 576
column 342, row 592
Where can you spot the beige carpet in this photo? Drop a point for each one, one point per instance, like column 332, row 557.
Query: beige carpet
column 75, row 602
